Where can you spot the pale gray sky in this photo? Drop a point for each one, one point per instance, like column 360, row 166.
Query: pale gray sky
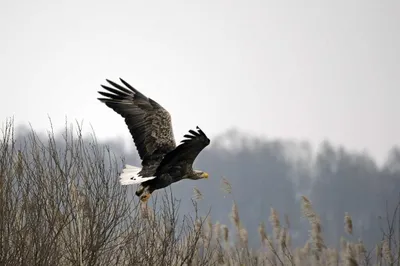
column 298, row 69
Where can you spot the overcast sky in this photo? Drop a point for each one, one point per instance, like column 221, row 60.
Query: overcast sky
column 307, row 70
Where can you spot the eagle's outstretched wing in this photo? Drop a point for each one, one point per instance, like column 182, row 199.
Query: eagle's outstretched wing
column 188, row 150
column 148, row 122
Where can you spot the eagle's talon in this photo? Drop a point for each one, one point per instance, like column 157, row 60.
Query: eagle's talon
column 145, row 197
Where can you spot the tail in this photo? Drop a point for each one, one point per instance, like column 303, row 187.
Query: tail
column 130, row 175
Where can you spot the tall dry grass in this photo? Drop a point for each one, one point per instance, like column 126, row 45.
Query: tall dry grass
column 63, row 205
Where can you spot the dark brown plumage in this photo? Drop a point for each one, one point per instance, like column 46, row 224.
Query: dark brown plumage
column 163, row 163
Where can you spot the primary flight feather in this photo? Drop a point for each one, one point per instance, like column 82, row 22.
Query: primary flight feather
column 163, row 163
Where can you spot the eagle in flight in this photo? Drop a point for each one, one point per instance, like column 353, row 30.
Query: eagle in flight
column 163, row 163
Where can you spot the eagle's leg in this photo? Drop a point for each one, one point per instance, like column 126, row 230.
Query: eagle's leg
column 145, row 196
column 140, row 190
column 143, row 193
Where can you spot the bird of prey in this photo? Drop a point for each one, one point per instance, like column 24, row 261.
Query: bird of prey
column 163, row 162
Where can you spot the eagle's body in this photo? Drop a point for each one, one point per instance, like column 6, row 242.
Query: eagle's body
column 163, row 163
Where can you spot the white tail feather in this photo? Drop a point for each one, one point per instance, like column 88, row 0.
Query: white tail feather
column 129, row 176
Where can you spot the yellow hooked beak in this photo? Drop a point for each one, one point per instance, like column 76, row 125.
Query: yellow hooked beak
column 204, row 175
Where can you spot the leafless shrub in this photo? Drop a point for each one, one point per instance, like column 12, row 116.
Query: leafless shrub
column 63, row 205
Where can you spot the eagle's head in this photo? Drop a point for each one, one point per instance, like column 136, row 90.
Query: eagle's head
column 197, row 174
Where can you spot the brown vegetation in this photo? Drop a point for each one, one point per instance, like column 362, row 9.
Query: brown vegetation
column 64, row 206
